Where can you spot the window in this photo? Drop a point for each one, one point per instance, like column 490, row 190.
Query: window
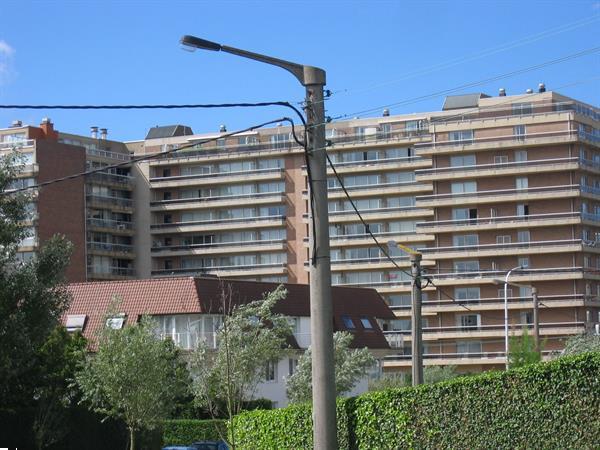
column 292, row 364
column 500, row 159
column 280, row 140
column 523, row 236
column 519, row 132
column 271, row 371
column 522, row 209
column 524, row 262
column 466, row 266
column 399, row 300
column 467, row 321
column 522, row 183
column 509, row 293
column 166, row 172
column 525, row 292
column 465, row 136
column 366, row 323
column 348, row 323
column 526, row 317
column 467, row 293
column 115, row 322
column 520, row 155
column 168, row 264
column 167, row 218
column 464, row 240
column 463, row 187
column 464, row 213
column 468, row 347
column 505, row 239
column 519, row 109
column 462, row 160
column 75, row 322
column 167, row 195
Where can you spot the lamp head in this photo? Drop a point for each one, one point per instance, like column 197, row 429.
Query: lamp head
column 192, row 43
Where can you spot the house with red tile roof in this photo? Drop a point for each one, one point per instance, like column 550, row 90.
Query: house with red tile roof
column 189, row 309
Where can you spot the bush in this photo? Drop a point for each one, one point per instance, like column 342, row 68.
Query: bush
column 545, row 405
column 186, row 431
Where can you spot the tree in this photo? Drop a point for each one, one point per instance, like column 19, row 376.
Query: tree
column 582, row 343
column 133, row 376
column 250, row 336
column 522, row 350
column 32, row 295
column 431, row 375
column 55, row 395
column 350, row 366
column 436, row 374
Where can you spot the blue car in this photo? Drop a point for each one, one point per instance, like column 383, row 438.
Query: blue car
column 210, row 445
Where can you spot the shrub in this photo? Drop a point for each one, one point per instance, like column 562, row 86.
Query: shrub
column 545, row 405
column 186, row 431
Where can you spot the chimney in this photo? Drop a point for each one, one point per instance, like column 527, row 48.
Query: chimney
column 541, row 87
column 223, row 129
column 529, row 91
column 94, row 132
column 16, row 124
column 386, row 112
column 48, row 128
column 502, row 92
column 103, row 133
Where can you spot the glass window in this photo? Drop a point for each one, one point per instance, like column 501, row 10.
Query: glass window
column 463, row 187
column 348, row 323
column 519, row 132
column 522, row 183
column 521, row 108
column 523, row 236
column 463, row 240
column 467, row 293
column 462, row 160
column 366, row 323
column 524, row 262
column 271, row 371
column 522, row 209
column 464, row 136
column 399, row 300
column 504, row 239
column 466, row 266
column 468, row 347
column 500, row 159
column 521, row 155
column 466, row 321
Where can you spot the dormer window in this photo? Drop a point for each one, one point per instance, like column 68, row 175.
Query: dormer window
column 116, row 322
column 348, row 322
column 75, row 322
column 366, row 323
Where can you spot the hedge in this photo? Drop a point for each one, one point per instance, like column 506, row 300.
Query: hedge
column 186, row 431
column 552, row 405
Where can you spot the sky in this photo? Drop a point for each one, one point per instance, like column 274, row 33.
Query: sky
column 375, row 53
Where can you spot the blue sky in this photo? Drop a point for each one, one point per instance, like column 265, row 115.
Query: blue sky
column 375, row 53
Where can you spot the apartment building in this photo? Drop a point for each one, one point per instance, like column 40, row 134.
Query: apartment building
column 485, row 185
column 93, row 212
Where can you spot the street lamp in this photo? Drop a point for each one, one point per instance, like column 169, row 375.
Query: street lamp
column 506, row 311
column 321, row 315
column 416, row 333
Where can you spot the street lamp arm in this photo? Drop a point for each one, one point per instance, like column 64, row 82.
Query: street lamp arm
column 307, row 75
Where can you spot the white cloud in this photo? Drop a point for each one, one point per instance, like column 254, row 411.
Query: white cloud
column 7, row 71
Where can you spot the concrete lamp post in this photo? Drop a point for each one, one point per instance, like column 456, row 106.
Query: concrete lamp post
column 321, row 314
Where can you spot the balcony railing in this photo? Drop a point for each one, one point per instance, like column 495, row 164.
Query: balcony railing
column 107, row 154
column 499, row 219
column 17, row 144
column 496, row 166
column 495, row 327
column 190, row 340
column 475, row 274
column 110, row 247
column 501, row 246
column 218, row 174
column 107, row 223
column 110, row 271
column 216, row 245
column 218, row 221
column 111, row 201
column 590, row 189
column 217, row 198
column 211, row 269
column 113, row 178
column 500, row 356
column 498, row 192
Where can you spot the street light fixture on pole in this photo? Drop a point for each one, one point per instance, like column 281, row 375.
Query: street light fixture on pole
column 321, row 314
column 506, row 311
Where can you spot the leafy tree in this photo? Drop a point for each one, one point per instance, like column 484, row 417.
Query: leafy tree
column 350, row 366
column 435, row 374
column 55, row 395
column 32, row 295
column 582, row 343
column 133, row 376
column 522, row 350
column 431, row 375
column 250, row 336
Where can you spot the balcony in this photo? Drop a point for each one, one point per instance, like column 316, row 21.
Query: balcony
column 223, row 271
column 17, row 144
column 219, row 224
column 190, row 341
column 498, row 196
column 457, row 359
column 105, row 154
column 110, row 179
column 371, row 190
column 99, row 272
column 219, row 247
column 498, row 169
column 494, row 143
column 489, row 276
column 217, row 178
column 257, row 198
column 511, row 248
column 110, row 202
column 107, row 224
column 504, row 222
column 108, row 247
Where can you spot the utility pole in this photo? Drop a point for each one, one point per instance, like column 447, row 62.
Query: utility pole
column 416, row 329
column 321, row 309
column 536, row 319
